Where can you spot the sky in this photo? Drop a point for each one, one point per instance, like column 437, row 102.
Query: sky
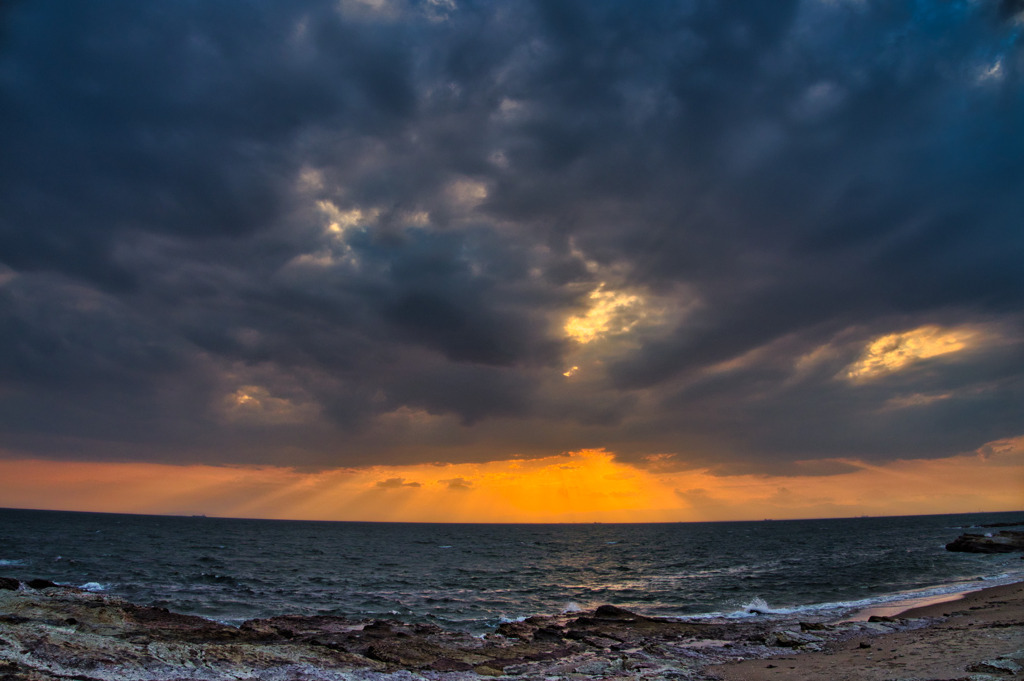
column 552, row 261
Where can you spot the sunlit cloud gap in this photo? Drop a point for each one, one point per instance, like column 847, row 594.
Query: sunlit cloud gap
column 897, row 351
column 609, row 312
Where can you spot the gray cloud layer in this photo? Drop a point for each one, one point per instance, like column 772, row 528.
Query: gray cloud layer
column 323, row 233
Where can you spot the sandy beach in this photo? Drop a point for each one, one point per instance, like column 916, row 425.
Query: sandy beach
column 978, row 636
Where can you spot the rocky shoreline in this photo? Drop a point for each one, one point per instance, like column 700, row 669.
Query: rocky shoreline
column 50, row 632
column 1005, row 541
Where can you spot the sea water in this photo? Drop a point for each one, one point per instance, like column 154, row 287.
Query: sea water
column 472, row 577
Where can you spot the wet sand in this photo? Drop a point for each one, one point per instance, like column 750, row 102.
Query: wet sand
column 978, row 637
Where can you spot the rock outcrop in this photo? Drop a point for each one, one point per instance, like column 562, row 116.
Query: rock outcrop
column 61, row 632
column 1007, row 541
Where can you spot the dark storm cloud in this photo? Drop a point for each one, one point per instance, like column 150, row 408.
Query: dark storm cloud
column 339, row 233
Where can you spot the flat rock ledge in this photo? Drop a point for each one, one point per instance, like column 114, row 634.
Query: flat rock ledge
column 1006, row 541
column 50, row 632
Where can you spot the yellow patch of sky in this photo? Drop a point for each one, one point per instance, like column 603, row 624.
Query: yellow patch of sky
column 254, row 404
column 614, row 317
column 336, row 224
column 897, row 351
column 609, row 312
column 340, row 221
column 583, row 486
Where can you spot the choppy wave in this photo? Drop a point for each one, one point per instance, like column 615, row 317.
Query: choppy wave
column 475, row 576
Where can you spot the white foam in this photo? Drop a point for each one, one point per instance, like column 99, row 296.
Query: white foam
column 94, row 586
column 835, row 609
column 572, row 607
column 758, row 606
column 11, row 561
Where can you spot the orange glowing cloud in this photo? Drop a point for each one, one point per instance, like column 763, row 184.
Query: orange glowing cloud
column 584, row 486
column 897, row 351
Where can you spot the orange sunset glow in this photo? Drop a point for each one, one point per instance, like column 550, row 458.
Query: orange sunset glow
column 584, row 486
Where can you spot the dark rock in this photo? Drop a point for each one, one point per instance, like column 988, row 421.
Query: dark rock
column 590, row 638
column 378, row 628
column 173, row 626
column 403, row 654
column 299, row 627
column 9, row 583
column 615, row 613
column 1007, row 541
column 549, row 633
column 445, row 664
column 40, row 584
column 521, row 630
column 621, row 625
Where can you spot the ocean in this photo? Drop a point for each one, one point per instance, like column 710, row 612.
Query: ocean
column 472, row 577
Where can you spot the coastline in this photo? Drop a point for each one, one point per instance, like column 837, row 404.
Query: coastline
column 977, row 635
column 51, row 632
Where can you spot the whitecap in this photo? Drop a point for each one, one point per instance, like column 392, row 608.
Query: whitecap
column 94, row 586
column 759, row 606
column 11, row 561
column 572, row 607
